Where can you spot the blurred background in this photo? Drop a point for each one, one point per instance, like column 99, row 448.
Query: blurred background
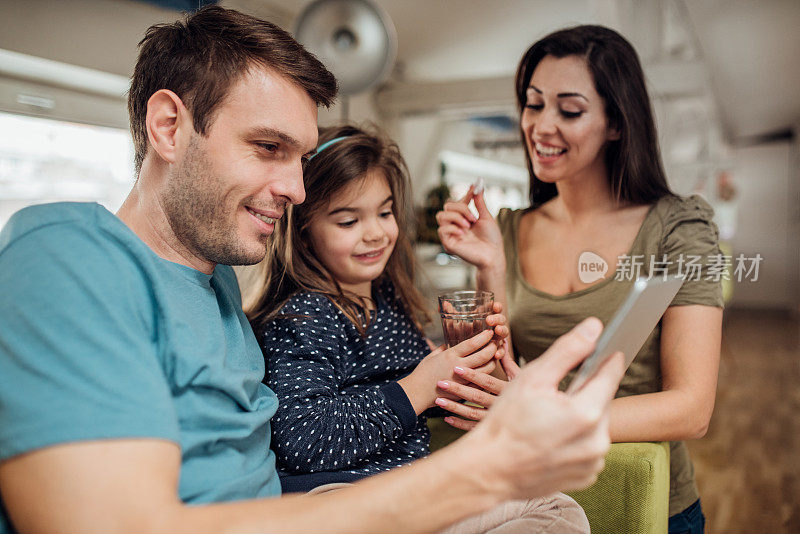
column 438, row 76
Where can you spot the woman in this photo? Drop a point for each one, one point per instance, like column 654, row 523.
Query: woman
column 597, row 186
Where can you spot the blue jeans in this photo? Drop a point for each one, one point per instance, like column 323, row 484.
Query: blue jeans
column 690, row 521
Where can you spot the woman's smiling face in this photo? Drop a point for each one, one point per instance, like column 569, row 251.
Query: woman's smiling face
column 564, row 120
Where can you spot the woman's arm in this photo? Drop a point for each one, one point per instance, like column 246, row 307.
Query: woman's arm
column 690, row 348
column 479, row 242
column 476, row 240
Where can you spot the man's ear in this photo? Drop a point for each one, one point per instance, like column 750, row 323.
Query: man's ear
column 167, row 120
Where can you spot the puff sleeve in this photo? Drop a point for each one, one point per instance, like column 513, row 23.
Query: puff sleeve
column 690, row 246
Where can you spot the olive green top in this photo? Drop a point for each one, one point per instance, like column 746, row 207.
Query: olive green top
column 675, row 232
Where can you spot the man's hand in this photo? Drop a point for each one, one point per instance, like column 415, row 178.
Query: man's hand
column 536, row 440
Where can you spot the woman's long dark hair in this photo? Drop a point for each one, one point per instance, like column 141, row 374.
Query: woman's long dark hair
column 291, row 265
column 635, row 171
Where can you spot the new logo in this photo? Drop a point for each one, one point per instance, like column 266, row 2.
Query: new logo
column 591, row 267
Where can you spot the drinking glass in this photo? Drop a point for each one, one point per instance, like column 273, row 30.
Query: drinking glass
column 464, row 314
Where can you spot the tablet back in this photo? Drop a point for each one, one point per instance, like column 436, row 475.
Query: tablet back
column 631, row 325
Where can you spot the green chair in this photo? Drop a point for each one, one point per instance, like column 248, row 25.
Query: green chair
column 631, row 495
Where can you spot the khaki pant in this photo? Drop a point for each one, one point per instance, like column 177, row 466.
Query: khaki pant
column 555, row 513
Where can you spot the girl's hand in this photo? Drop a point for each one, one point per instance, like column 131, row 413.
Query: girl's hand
column 477, row 353
column 498, row 323
column 475, row 240
column 480, row 397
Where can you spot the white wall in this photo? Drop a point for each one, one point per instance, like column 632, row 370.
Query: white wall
column 101, row 35
column 98, row 34
column 360, row 108
column 766, row 203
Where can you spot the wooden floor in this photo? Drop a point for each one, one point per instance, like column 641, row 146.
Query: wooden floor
column 748, row 465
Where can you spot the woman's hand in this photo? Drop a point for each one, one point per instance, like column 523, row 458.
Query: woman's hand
column 476, row 353
column 476, row 240
column 481, row 397
column 507, row 361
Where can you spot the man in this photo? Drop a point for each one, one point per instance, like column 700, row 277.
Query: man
column 130, row 380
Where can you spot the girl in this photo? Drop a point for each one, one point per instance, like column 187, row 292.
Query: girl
column 340, row 324
column 597, row 185
column 340, row 321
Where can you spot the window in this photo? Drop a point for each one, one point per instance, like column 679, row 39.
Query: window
column 43, row 160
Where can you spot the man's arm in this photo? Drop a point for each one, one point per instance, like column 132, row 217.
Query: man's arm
column 534, row 441
column 131, row 486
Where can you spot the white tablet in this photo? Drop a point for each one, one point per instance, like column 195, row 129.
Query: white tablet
column 630, row 326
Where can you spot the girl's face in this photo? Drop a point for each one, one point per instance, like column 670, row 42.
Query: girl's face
column 564, row 120
column 355, row 235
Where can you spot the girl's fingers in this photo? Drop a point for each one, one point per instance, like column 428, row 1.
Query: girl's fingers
column 448, row 307
column 471, row 345
column 496, row 319
column 462, row 410
column 460, row 423
column 501, row 331
column 466, row 392
column 481, row 357
column 482, row 380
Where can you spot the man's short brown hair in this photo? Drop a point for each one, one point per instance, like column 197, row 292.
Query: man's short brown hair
column 201, row 57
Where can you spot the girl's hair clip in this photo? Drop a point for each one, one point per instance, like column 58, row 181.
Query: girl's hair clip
column 325, row 145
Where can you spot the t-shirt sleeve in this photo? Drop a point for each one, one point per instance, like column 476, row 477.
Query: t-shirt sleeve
column 78, row 356
column 317, row 427
column 690, row 245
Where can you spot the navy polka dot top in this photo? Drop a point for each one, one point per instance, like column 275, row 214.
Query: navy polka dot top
column 341, row 413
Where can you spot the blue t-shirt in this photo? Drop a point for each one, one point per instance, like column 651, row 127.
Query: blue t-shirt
column 100, row 338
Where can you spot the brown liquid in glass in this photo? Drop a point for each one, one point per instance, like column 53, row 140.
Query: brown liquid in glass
column 458, row 327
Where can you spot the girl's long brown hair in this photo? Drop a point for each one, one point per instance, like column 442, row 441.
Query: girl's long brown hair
column 291, row 266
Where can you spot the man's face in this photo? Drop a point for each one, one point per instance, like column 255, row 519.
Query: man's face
column 225, row 192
